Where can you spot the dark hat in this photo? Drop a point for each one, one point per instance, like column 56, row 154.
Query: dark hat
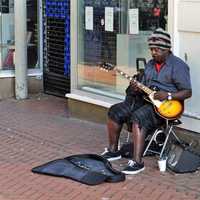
column 160, row 39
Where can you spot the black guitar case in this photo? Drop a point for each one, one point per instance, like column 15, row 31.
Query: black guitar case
column 90, row 169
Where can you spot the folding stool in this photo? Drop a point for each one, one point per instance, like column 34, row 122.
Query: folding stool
column 168, row 130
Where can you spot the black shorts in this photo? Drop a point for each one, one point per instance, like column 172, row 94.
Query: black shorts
column 140, row 111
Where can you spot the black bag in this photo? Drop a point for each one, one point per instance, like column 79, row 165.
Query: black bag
column 181, row 159
column 126, row 150
column 90, row 169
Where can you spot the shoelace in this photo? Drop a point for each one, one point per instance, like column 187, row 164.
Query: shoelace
column 131, row 163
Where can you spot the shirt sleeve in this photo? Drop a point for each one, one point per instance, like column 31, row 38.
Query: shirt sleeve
column 181, row 76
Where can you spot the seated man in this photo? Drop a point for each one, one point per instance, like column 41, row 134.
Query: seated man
column 166, row 72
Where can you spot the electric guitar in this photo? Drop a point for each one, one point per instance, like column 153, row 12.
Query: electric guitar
column 167, row 109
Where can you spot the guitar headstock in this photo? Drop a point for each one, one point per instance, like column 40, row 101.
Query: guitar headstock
column 107, row 66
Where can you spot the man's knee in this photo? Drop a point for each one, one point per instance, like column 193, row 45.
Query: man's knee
column 118, row 113
column 114, row 109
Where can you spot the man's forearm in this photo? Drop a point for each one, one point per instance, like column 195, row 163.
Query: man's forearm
column 182, row 95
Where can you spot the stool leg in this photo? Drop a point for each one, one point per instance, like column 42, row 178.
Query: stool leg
column 149, row 144
column 127, row 140
column 174, row 134
column 128, row 136
column 166, row 140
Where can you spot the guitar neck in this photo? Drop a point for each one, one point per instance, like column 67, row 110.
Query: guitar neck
column 139, row 85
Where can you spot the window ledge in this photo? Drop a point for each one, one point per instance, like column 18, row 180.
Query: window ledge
column 7, row 73
column 11, row 73
column 88, row 100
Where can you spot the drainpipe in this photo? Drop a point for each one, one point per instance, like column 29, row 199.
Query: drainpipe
column 21, row 91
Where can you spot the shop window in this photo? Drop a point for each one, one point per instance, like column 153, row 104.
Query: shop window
column 32, row 33
column 7, row 41
column 6, row 34
column 114, row 32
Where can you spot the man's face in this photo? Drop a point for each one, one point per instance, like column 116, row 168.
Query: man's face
column 159, row 55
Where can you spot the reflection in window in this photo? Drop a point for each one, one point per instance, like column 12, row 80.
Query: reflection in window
column 7, row 41
column 6, row 34
column 152, row 14
column 32, row 33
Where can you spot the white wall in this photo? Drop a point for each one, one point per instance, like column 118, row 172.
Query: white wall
column 188, row 29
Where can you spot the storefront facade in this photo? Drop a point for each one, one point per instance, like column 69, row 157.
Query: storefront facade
column 116, row 32
column 111, row 31
column 35, row 40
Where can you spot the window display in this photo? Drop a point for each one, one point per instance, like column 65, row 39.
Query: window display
column 118, row 36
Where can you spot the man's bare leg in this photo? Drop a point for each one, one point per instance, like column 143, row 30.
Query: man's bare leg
column 136, row 165
column 138, row 142
column 114, row 130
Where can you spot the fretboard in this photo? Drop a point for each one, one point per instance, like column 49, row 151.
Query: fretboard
column 140, row 85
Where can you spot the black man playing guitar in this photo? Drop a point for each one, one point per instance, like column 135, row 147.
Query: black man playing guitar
column 171, row 76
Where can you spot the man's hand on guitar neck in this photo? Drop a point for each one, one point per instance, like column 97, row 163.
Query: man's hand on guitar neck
column 134, row 86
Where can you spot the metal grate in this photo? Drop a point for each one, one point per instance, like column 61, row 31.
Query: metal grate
column 57, row 47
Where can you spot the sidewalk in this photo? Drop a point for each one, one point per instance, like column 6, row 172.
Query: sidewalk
column 38, row 130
